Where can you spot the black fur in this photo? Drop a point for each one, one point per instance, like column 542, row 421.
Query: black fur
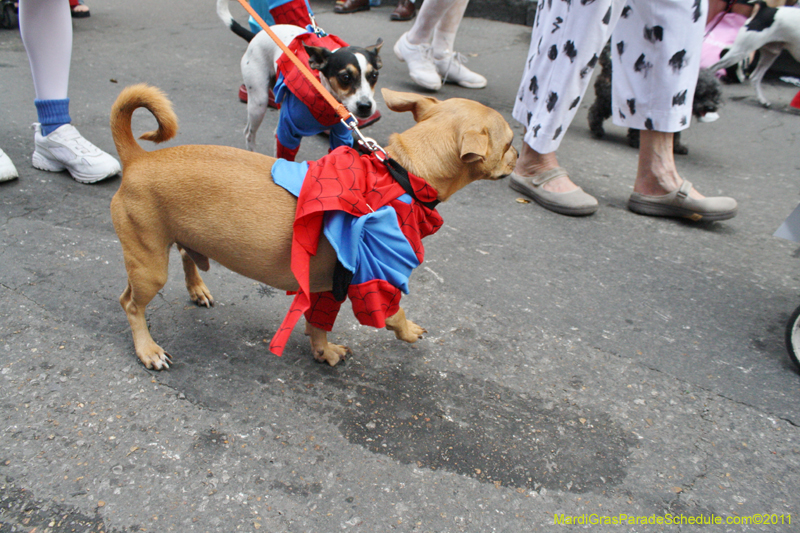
column 707, row 99
column 763, row 19
column 241, row 31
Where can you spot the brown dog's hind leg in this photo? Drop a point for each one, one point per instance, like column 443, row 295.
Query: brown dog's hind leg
column 198, row 291
column 404, row 329
column 147, row 274
column 324, row 351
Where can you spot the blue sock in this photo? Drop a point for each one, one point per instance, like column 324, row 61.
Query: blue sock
column 52, row 114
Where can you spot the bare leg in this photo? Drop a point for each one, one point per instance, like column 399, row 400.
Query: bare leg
column 657, row 174
column 530, row 163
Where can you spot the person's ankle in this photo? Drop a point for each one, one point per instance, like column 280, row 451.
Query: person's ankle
column 653, row 185
column 531, row 163
column 559, row 184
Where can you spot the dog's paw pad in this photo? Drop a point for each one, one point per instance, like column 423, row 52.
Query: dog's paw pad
column 332, row 354
column 201, row 296
column 157, row 359
column 410, row 333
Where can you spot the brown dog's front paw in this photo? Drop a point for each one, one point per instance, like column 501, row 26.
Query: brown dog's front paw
column 155, row 358
column 404, row 329
column 200, row 294
column 410, row 332
column 332, row 354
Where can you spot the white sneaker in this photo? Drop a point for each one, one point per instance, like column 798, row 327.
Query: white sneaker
column 66, row 149
column 7, row 169
column 451, row 68
column 421, row 66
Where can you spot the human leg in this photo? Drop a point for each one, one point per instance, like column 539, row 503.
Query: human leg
column 565, row 46
column 656, row 60
column 660, row 191
column 655, row 73
column 46, row 30
column 451, row 65
column 566, row 41
column 414, row 46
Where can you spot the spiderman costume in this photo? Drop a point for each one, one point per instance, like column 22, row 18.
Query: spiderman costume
column 373, row 223
column 304, row 112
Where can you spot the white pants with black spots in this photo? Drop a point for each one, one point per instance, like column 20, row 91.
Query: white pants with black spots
column 655, row 49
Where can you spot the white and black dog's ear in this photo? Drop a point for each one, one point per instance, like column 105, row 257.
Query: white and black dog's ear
column 317, row 56
column 375, row 49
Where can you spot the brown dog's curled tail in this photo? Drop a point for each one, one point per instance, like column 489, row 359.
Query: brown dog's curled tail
column 130, row 99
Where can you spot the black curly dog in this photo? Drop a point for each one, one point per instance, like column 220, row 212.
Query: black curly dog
column 707, row 99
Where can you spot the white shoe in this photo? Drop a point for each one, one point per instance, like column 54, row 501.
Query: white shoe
column 421, row 66
column 7, row 169
column 451, row 68
column 66, row 149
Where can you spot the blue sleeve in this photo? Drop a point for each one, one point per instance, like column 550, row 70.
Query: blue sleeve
column 371, row 246
column 340, row 136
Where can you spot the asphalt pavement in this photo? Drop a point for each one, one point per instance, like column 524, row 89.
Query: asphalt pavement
column 614, row 366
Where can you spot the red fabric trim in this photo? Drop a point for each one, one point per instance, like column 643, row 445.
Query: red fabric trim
column 348, row 181
column 297, row 82
column 374, row 301
column 323, row 311
column 294, row 12
column 281, row 152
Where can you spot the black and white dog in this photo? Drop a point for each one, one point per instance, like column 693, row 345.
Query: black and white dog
column 348, row 73
column 770, row 30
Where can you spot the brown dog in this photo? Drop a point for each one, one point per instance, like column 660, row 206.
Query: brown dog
column 221, row 203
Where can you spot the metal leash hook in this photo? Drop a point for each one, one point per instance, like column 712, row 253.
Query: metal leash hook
column 367, row 142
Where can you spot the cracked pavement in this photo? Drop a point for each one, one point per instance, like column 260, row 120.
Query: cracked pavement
column 611, row 365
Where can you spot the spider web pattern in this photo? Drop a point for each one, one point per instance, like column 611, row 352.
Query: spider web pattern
column 323, row 310
column 299, row 85
column 357, row 184
column 294, row 12
column 373, row 301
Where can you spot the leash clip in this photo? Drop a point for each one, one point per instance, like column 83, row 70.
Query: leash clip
column 313, row 26
column 368, row 143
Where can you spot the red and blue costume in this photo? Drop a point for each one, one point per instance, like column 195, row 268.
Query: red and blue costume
column 304, row 112
column 374, row 225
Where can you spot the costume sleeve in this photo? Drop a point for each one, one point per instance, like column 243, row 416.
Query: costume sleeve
column 323, row 311
column 374, row 301
column 340, row 135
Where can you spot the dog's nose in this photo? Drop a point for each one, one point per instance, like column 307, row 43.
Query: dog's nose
column 363, row 109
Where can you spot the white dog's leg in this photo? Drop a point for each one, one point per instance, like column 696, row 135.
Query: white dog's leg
column 768, row 55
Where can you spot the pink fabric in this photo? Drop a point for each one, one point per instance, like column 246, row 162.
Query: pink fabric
column 720, row 38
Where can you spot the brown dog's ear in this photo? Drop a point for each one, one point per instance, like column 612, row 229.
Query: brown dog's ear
column 474, row 146
column 317, row 56
column 416, row 103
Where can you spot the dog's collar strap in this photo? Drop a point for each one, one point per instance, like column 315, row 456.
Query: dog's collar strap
column 400, row 175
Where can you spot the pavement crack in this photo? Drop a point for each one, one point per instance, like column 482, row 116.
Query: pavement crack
column 705, row 389
column 180, row 394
